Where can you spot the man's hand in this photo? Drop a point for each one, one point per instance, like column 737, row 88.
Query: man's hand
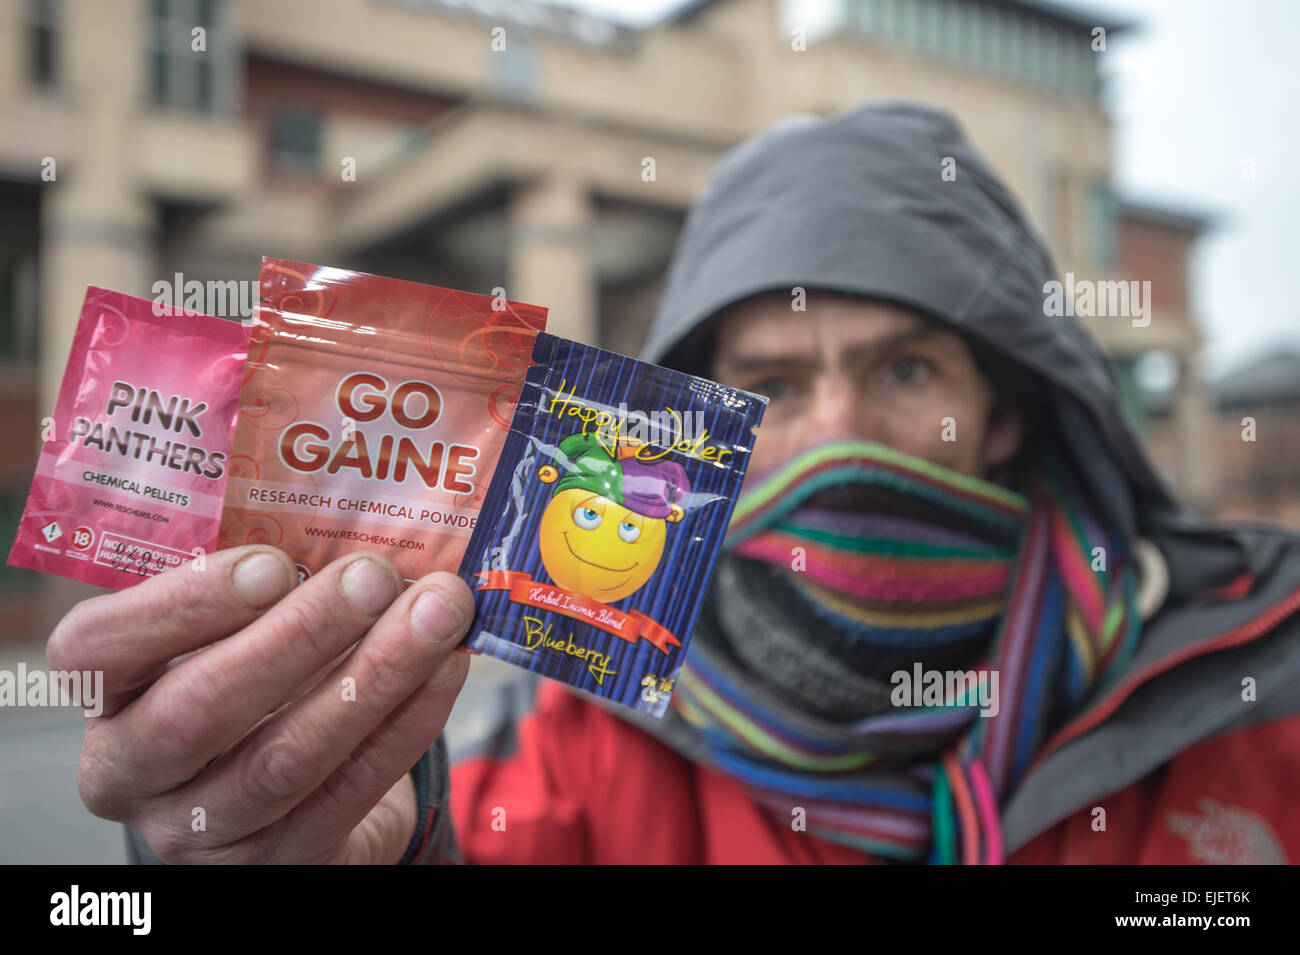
column 233, row 691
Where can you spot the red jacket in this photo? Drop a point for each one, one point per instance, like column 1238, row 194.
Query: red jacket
column 1176, row 763
column 583, row 786
column 1173, row 764
column 569, row 782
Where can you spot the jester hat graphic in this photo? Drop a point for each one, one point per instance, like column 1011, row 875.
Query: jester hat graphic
column 653, row 488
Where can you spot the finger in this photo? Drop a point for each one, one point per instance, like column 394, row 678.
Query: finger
column 131, row 635
column 356, row 816
column 198, row 709
column 280, row 764
column 321, row 672
column 347, row 797
column 383, row 835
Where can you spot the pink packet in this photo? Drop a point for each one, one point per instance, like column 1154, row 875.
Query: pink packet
column 133, row 468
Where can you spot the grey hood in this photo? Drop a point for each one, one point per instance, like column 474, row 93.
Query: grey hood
column 856, row 203
column 877, row 219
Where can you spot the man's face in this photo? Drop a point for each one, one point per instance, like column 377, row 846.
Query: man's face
column 853, row 368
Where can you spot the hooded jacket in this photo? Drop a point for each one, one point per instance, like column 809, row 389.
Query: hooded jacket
column 1193, row 755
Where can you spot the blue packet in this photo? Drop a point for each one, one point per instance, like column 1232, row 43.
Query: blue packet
column 598, row 536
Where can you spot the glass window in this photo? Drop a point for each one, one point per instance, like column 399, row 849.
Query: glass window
column 1057, row 40
column 915, row 18
column 17, row 583
column 1013, row 44
column 18, row 309
column 180, row 76
column 158, row 73
column 1068, row 56
column 953, row 11
column 43, row 41
column 1092, row 70
column 927, row 37
column 916, row 27
column 1102, row 238
column 1063, row 50
column 1130, row 394
column 515, row 69
column 1029, row 48
column 973, row 33
column 410, row 138
column 1033, row 62
column 993, row 49
column 8, row 315
column 867, row 15
column 936, row 39
column 296, row 138
column 1080, row 62
column 204, row 97
column 889, row 19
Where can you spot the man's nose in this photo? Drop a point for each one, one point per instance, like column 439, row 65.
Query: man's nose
column 840, row 410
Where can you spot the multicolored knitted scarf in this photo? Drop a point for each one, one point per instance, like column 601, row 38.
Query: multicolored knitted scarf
column 908, row 567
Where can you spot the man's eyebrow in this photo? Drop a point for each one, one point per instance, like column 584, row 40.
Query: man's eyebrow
column 744, row 363
column 908, row 336
column 784, row 359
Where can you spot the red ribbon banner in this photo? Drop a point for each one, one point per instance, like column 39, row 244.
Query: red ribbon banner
column 630, row 625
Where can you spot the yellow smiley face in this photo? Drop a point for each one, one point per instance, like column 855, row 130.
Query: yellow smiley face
column 597, row 548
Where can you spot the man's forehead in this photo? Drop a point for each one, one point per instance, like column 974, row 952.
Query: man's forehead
column 770, row 323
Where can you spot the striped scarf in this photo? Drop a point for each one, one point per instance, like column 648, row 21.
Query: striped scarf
column 908, row 563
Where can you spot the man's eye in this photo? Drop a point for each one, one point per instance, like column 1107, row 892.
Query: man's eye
column 586, row 518
column 628, row 531
column 772, row 387
column 909, row 371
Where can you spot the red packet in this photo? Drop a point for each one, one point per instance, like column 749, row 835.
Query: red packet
column 372, row 414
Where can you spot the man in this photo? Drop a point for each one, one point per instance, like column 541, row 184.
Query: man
column 943, row 493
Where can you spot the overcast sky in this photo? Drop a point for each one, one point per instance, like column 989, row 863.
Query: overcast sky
column 1204, row 88
column 1200, row 90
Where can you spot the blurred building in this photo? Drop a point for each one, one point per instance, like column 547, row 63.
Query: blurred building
column 1144, row 242
column 1257, row 438
column 484, row 144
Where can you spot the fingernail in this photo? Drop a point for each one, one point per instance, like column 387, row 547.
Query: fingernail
column 434, row 618
column 259, row 580
column 447, row 671
column 368, row 587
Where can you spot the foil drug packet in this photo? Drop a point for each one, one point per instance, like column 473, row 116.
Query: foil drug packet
column 602, row 524
column 371, row 416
